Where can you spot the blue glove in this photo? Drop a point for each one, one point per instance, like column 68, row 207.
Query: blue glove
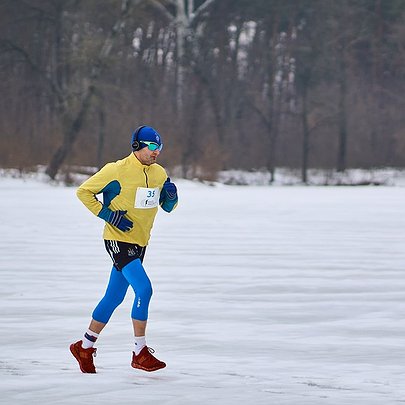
column 170, row 189
column 168, row 196
column 116, row 218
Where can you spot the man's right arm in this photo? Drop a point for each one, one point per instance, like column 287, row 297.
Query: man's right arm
column 104, row 182
column 96, row 184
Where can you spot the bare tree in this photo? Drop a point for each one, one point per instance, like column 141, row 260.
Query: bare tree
column 75, row 123
column 215, row 76
column 183, row 19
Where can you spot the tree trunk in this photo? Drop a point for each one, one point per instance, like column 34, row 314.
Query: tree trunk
column 181, row 29
column 70, row 137
column 305, row 138
column 342, row 114
column 101, row 136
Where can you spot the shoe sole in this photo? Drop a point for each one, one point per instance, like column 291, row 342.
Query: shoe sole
column 147, row 369
column 77, row 357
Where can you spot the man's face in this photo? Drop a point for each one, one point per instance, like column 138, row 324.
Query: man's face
column 146, row 156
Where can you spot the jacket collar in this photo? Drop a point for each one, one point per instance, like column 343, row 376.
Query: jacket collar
column 134, row 160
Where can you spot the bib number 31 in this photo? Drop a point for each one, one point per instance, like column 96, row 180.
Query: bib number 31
column 147, row 197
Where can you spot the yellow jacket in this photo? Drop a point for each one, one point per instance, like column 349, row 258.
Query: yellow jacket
column 130, row 186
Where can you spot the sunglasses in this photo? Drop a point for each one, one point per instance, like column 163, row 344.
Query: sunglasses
column 152, row 145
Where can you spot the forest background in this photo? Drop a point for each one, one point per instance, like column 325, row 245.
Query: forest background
column 229, row 84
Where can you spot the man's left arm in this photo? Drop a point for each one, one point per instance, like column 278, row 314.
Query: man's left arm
column 168, row 196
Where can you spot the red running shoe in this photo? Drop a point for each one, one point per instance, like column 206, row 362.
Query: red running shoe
column 146, row 361
column 84, row 357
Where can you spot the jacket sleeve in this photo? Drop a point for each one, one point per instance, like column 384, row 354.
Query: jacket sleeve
column 104, row 181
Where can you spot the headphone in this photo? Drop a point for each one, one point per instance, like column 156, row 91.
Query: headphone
column 135, row 140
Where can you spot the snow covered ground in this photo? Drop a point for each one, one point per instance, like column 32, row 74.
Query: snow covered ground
column 285, row 176
column 262, row 295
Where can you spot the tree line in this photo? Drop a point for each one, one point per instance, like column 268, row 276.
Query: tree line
column 245, row 84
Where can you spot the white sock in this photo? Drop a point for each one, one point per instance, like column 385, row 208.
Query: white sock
column 140, row 343
column 89, row 339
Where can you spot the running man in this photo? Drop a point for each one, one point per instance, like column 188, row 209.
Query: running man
column 133, row 189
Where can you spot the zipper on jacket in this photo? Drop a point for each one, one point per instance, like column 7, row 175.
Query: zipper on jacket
column 146, row 177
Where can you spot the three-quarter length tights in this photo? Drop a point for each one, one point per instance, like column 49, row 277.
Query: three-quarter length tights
column 134, row 275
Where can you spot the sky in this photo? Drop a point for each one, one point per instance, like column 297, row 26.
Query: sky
column 262, row 295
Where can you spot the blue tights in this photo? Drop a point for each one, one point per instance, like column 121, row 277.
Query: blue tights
column 134, row 275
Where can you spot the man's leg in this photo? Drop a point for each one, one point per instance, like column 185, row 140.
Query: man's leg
column 136, row 276
column 139, row 281
column 139, row 327
column 83, row 350
column 142, row 356
column 96, row 326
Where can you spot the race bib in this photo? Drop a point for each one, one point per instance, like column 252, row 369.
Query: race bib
column 147, row 197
